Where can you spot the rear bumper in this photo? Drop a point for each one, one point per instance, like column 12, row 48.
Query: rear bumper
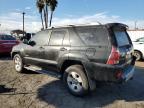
column 108, row 73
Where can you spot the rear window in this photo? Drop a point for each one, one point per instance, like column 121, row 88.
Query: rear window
column 6, row 37
column 122, row 38
column 93, row 36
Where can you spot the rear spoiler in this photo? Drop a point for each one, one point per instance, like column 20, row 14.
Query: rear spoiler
column 113, row 25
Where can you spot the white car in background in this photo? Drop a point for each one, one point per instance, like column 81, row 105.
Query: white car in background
column 139, row 48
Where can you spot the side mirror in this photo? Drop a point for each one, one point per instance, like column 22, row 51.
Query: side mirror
column 31, row 43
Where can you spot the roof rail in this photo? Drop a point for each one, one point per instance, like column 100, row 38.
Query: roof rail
column 73, row 25
column 85, row 24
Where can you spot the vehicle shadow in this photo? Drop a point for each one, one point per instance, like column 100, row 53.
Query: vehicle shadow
column 4, row 89
column 54, row 93
column 5, row 56
column 29, row 72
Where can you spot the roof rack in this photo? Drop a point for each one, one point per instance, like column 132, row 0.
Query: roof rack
column 86, row 24
column 73, row 25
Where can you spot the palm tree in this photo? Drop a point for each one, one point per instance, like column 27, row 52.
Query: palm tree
column 40, row 6
column 45, row 17
column 47, row 3
column 53, row 5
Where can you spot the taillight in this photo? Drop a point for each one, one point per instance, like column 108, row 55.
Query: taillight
column 114, row 56
column 118, row 74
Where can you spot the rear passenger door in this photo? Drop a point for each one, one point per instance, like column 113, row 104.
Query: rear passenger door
column 57, row 48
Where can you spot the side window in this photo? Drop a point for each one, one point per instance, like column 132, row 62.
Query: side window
column 141, row 40
column 41, row 38
column 57, row 37
column 1, row 37
column 9, row 37
column 93, row 36
column 66, row 40
column 6, row 37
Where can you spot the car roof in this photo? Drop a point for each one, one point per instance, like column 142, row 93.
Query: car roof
column 108, row 25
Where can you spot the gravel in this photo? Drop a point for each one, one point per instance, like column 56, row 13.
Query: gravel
column 33, row 90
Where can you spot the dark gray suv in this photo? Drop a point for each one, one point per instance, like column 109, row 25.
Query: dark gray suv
column 80, row 55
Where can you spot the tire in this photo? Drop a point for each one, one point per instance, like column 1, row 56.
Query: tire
column 76, row 81
column 138, row 55
column 18, row 64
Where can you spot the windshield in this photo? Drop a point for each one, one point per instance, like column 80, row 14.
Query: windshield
column 121, row 38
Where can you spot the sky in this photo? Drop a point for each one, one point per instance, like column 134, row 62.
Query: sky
column 70, row 12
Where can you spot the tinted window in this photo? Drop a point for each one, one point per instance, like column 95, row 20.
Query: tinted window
column 141, row 40
column 66, row 40
column 57, row 37
column 6, row 37
column 41, row 38
column 93, row 36
column 75, row 40
column 122, row 38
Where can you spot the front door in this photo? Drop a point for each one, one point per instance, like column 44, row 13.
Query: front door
column 34, row 54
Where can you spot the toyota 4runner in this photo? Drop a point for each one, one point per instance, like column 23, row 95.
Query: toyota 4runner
column 80, row 55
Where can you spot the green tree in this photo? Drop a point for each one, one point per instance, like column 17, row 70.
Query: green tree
column 40, row 6
column 53, row 5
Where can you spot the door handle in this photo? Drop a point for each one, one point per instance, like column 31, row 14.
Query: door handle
column 63, row 49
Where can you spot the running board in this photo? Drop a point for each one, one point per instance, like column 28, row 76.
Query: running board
column 39, row 70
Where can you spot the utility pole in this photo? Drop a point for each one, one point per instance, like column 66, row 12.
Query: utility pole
column 23, row 23
column 135, row 25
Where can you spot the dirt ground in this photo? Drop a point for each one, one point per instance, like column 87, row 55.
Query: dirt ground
column 32, row 90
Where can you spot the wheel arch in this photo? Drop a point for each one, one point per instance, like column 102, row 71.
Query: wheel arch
column 68, row 63
column 142, row 55
column 14, row 53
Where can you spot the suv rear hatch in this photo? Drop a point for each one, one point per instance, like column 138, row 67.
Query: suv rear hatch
column 122, row 48
column 121, row 55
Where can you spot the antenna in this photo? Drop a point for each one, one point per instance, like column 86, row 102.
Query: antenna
column 99, row 22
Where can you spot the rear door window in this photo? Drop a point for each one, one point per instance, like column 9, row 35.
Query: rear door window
column 93, row 36
column 121, row 37
column 57, row 37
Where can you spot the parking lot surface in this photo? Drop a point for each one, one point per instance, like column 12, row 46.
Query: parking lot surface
column 33, row 90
